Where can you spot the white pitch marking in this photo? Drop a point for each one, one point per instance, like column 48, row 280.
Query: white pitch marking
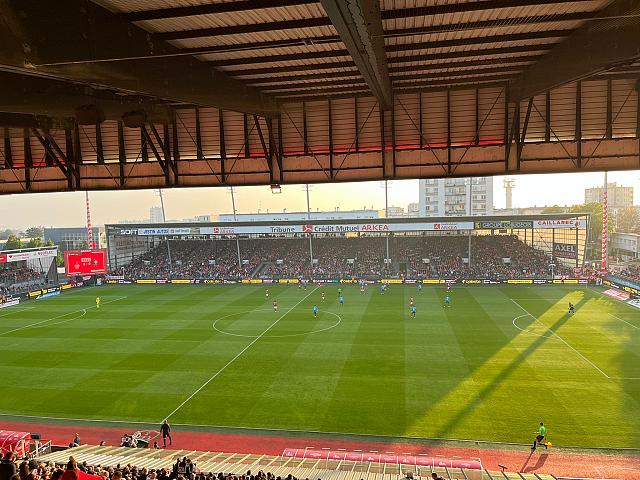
column 16, row 309
column 59, row 316
column 525, row 331
column 630, row 324
column 274, row 336
column 199, row 389
column 561, row 339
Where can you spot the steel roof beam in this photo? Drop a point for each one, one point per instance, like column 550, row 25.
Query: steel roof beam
column 464, row 7
column 478, row 80
column 32, row 42
column 403, row 32
column 400, row 78
column 288, row 69
column 424, row 67
column 211, row 9
column 359, row 25
column 247, row 28
column 385, row 15
column 40, row 96
column 246, row 5
column 533, row 49
column 610, row 40
column 20, row 120
column 459, row 42
column 402, row 47
column 394, row 59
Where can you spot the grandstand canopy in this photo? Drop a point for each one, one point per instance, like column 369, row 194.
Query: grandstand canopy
column 249, row 92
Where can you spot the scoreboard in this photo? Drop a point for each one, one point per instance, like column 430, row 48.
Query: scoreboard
column 85, row 262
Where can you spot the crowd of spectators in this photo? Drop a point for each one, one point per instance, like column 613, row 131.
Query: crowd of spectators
column 631, row 271
column 446, row 256
column 183, row 469
column 17, row 279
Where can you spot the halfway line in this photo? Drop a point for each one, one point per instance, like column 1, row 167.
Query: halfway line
column 237, row 356
column 561, row 339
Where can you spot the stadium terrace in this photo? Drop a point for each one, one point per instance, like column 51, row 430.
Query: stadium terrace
column 495, row 248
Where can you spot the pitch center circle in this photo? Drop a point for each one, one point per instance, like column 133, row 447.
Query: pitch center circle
column 224, row 332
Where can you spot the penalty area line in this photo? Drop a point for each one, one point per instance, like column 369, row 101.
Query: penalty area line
column 238, row 355
column 561, row 339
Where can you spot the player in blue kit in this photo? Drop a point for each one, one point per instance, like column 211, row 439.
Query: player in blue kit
column 315, row 311
column 447, row 301
column 341, row 300
column 413, row 311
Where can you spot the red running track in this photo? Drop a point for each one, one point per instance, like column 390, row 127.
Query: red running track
column 566, row 464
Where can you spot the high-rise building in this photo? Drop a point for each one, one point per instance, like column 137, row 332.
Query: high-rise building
column 155, row 215
column 618, row 196
column 413, row 209
column 445, row 197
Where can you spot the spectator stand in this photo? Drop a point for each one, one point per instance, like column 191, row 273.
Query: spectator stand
column 27, row 270
column 227, row 466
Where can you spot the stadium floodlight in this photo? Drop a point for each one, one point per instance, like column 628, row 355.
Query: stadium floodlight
column 276, row 188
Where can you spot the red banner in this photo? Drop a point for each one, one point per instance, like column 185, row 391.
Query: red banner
column 85, row 262
column 16, row 442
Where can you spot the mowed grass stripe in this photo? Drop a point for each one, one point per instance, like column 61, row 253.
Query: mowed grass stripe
column 569, row 394
column 242, row 382
column 105, row 390
column 463, row 372
column 298, row 373
column 372, row 384
column 435, row 361
column 470, row 404
column 192, row 402
column 590, row 332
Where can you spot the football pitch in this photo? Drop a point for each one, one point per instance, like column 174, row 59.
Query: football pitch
column 490, row 367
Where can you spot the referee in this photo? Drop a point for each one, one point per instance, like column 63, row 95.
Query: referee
column 165, row 430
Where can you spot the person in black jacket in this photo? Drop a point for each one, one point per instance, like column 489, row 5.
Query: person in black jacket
column 165, row 430
column 7, row 467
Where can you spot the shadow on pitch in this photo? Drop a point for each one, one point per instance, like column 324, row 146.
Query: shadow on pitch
column 475, row 402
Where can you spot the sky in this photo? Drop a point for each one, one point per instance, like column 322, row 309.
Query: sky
column 68, row 209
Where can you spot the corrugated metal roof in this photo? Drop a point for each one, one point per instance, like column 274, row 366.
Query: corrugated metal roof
column 248, row 17
column 471, row 49
column 419, row 45
column 143, row 5
column 274, row 51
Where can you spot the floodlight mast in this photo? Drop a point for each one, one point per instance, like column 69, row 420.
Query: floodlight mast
column 310, row 233
column 235, row 219
column 164, row 220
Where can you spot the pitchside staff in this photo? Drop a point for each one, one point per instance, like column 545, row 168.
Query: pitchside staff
column 165, row 430
column 541, row 436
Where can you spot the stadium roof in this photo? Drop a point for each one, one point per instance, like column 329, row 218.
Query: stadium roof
column 307, row 79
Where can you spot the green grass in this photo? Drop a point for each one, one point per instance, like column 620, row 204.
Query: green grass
column 465, row 372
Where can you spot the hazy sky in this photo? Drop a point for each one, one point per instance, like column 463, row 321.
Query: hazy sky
column 68, row 209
